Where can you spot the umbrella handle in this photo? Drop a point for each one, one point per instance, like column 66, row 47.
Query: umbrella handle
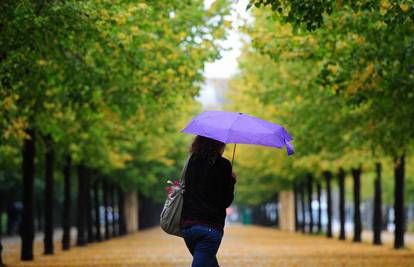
column 234, row 152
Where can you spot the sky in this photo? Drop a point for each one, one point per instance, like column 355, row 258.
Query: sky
column 226, row 66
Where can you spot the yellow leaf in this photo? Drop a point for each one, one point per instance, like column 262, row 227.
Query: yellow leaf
column 48, row 105
column 104, row 14
column 385, row 4
column 134, row 30
column 332, row 68
column 384, row 7
column 142, row 5
column 41, row 62
column 8, row 103
column 120, row 20
column 181, row 69
column 404, row 7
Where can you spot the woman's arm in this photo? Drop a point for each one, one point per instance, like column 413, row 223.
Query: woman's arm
column 229, row 181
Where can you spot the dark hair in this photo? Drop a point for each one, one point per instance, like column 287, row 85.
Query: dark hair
column 204, row 147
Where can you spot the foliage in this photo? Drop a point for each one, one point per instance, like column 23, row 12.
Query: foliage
column 342, row 85
column 312, row 14
column 108, row 81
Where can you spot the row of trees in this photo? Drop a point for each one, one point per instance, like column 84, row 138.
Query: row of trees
column 100, row 86
column 304, row 214
column 338, row 75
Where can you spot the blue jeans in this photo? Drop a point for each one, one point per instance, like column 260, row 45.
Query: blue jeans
column 203, row 243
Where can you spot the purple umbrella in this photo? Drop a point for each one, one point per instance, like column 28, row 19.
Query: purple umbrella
column 239, row 128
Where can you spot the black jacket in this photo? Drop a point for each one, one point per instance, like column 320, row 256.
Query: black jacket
column 209, row 190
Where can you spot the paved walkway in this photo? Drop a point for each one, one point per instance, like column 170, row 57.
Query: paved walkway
column 242, row 246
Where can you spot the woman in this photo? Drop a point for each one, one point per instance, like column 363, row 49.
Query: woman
column 209, row 190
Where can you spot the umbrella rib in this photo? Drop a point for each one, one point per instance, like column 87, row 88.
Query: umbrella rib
column 227, row 140
column 209, row 116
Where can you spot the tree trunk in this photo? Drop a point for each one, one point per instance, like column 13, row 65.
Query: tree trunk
column 310, row 183
column 113, row 204
column 141, row 201
column 11, row 217
column 277, row 222
column 121, row 212
column 81, row 212
column 49, row 201
column 1, row 230
column 386, row 219
column 67, row 203
column 356, row 174
column 89, row 215
column 106, row 213
column 377, row 220
column 98, row 235
column 1, row 253
column 302, row 200
column 295, row 201
column 328, row 178
column 39, row 213
column 319, row 192
column 399, row 174
column 341, row 183
column 28, row 170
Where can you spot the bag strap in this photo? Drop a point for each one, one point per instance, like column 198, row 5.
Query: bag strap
column 184, row 170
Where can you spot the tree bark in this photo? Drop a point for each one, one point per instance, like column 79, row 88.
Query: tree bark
column 81, row 212
column 399, row 174
column 89, row 215
column 98, row 234
column 106, row 213
column 302, row 200
column 1, row 230
column 341, row 183
column 386, row 219
column 377, row 220
column 319, row 192
column 310, row 183
column 113, row 205
column 277, row 222
column 1, row 253
column 121, row 212
column 39, row 212
column 356, row 174
column 49, row 201
column 67, row 203
column 295, row 199
column 28, row 170
column 11, row 216
column 328, row 178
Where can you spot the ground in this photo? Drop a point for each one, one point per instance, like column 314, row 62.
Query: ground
column 242, row 246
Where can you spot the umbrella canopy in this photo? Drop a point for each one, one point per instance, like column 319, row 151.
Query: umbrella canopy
column 239, row 128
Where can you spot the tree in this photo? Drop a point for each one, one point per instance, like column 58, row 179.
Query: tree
column 49, row 181
column 362, row 46
column 105, row 75
column 27, row 227
column 341, row 185
column 310, row 198
column 319, row 193
column 356, row 174
column 377, row 216
column 66, row 214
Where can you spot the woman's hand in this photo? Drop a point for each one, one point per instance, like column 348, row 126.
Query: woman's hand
column 234, row 175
